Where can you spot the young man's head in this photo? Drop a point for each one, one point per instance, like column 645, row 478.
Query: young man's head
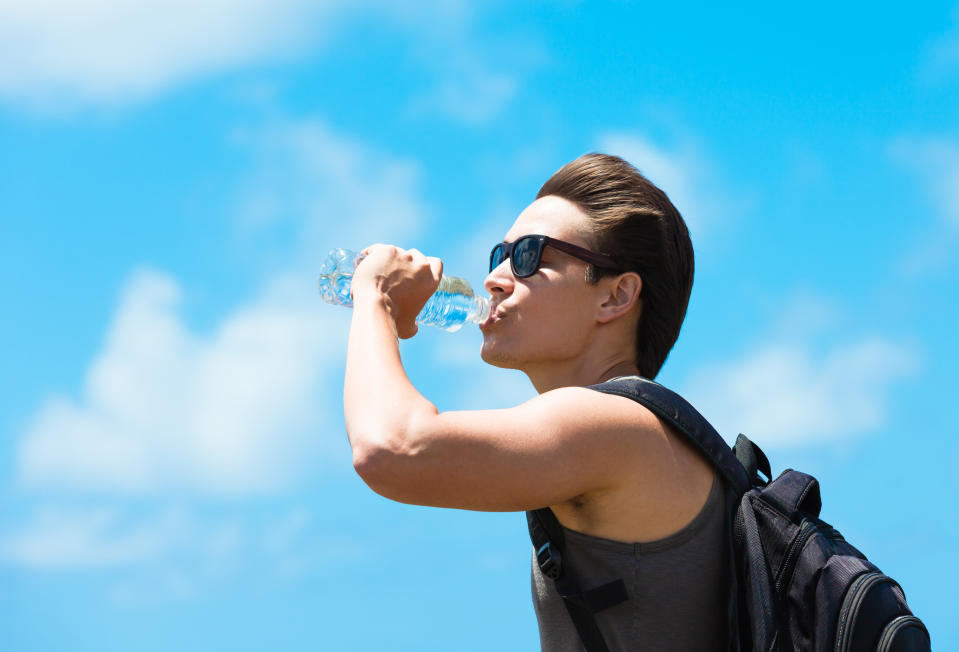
column 630, row 303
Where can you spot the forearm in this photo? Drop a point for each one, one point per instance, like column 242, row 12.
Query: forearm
column 381, row 405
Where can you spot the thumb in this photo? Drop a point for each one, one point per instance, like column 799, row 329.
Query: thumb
column 436, row 266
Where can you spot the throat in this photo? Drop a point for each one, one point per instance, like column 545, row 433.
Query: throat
column 619, row 369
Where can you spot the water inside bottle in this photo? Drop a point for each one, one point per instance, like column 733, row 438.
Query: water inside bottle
column 336, row 274
column 335, row 288
column 450, row 306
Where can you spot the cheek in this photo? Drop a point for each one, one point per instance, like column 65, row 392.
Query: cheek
column 550, row 326
column 560, row 318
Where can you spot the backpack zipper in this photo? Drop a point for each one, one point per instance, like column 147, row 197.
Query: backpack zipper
column 806, row 530
column 894, row 627
column 851, row 604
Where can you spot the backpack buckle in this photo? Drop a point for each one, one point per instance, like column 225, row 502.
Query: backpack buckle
column 550, row 561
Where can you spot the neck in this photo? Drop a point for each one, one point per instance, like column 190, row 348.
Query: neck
column 580, row 372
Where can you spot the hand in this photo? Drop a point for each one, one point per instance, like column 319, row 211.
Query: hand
column 405, row 277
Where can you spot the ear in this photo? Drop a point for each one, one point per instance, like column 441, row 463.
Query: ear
column 622, row 294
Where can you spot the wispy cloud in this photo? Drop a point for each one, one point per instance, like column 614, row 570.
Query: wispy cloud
column 324, row 190
column 473, row 95
column 786, row 391
column 52, row 51
column 57, row 539
column 57, row 55
column 167, row 552
column 473, row 77
column 940, row 60
column 935, row 162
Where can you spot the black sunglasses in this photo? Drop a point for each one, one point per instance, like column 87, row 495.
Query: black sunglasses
column 525, row 252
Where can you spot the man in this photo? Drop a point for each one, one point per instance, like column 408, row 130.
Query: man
column 603, row 295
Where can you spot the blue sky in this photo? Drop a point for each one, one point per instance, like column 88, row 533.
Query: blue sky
column 174, row 472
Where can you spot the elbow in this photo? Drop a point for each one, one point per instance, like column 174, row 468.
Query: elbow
column 370, row 462
column 389, row 457
column 386, row 469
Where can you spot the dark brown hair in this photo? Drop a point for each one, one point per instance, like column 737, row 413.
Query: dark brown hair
column 635, row 223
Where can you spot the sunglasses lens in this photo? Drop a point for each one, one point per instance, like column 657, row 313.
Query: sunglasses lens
column 497, row 256
column 526, row 256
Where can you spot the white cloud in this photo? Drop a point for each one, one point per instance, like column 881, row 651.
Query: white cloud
column 940, row 60
column 170, row 553
column 292, row 547
column 469, row 94
column 57, row 55
column 937, row 162
column 250, row 405
column 111, row 50
column 682, row 172
column 66, row 538
column 172, row 550
column 473, row 79
column 163, row 407
column 332, row 191
column 154, row 585
column 785, row 393
column 805, row 315
column 58, row 539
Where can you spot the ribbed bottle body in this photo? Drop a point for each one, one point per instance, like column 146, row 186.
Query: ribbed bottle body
column 452, row 305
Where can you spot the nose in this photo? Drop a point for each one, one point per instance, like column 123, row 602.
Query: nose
column 500, row 280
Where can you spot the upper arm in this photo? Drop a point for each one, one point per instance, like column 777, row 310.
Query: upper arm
column 559, row 445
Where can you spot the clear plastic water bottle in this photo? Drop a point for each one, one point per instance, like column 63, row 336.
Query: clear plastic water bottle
column 452, row 305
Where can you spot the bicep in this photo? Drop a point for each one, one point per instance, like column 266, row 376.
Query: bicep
column 550, row 449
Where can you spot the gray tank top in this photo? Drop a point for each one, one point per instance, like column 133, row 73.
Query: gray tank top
column 677, row 587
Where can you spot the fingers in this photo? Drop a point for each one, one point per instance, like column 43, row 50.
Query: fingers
column 434, row 263
column 408, row 332
column 407, row 276
column 374, row 248
column 412, row 254
column 411, row 259
column 437, row 266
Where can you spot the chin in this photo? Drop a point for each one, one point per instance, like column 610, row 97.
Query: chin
column 490, row 358
column 497, row 358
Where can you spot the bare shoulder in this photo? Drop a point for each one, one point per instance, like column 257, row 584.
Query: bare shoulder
column 622, row 436
column 607, row 416
column 557, row 448
column 658, row 483
column 586, row 410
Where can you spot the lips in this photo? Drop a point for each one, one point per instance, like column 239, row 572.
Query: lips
column 495, row 315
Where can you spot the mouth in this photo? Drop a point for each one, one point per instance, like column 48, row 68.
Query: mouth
column 494, row 316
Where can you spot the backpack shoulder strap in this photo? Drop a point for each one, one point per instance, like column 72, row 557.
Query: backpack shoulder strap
column 547, row 535
column 676, row 411
column 686, row 420
column 794, row 493
column 549, row 542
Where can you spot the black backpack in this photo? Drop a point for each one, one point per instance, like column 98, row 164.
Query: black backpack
column 798, row 584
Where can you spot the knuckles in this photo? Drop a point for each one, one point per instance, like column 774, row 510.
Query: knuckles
column 407, row 276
